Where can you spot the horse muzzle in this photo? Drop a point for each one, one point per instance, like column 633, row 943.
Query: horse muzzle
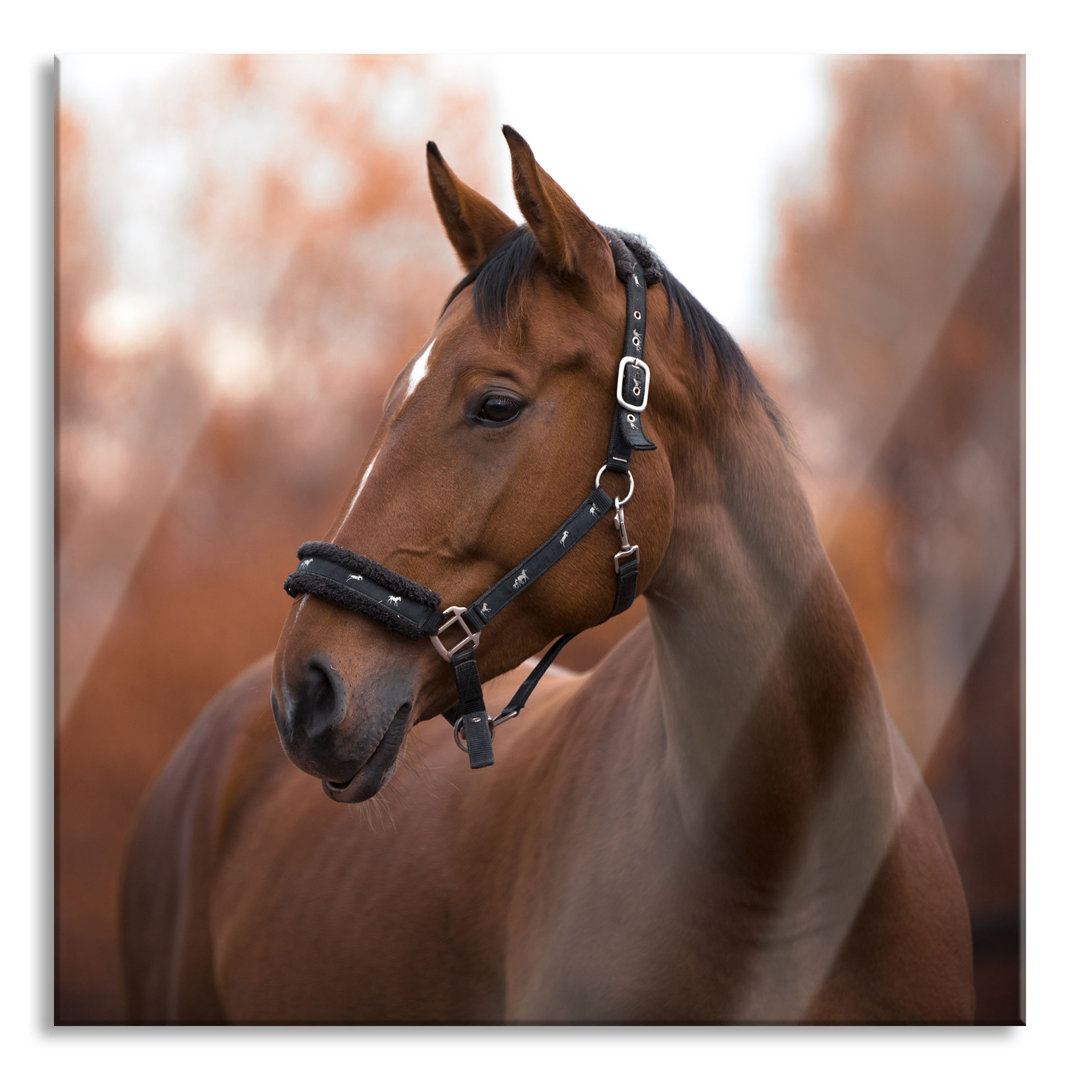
column 348, row 739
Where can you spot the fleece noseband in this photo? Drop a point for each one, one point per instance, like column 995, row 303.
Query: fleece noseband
column 368, row 588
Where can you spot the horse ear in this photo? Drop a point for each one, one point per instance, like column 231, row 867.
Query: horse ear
column 474, row 225
column 569, row 242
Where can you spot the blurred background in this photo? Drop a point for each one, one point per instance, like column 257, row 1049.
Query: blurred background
column 247, row 254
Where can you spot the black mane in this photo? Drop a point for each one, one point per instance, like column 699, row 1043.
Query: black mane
column 498, row 281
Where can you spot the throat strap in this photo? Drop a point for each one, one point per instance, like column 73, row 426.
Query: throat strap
column 625, row 590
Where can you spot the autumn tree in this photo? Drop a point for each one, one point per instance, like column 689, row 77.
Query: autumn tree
column 900, row 283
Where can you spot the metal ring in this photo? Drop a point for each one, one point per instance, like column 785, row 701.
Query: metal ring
column 459, row 727
column 618, row 502
column 460, row 723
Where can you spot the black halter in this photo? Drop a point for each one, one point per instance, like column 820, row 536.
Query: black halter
column 369, row 588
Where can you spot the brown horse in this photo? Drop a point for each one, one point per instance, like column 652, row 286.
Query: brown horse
column 717, row 824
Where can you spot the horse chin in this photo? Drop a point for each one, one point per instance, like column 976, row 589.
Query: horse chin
column 372, row 776
column 360, row 788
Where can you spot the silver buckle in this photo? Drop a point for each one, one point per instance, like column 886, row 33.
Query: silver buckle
column 633, row 406
column 470, row 638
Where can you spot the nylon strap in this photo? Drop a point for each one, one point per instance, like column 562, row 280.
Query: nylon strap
column 514, row 583
column 474, row 718
column 334, row 577
column 625, row 591
column 626, row 432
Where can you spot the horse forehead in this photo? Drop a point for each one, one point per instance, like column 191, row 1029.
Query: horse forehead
column 417, row 369
column 549, row 323
column 415, row 373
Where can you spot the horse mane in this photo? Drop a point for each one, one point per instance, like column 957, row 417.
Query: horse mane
column 498, row 282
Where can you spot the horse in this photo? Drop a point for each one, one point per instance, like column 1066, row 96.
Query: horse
column 717, row 824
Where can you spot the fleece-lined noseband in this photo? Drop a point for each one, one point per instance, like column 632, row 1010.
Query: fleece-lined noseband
column 368, row 588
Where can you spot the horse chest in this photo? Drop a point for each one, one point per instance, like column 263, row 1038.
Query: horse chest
column 616, row 924
column 595, row 947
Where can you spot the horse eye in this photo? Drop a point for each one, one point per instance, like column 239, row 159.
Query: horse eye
column 498, row 409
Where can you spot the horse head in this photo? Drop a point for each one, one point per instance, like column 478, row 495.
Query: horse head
column 488, row 439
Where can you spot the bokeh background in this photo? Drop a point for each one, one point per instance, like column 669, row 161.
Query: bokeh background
column 247, row 253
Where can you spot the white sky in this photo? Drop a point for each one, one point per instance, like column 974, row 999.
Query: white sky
column 688, row 150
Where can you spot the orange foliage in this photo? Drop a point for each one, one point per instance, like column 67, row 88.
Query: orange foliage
column 213, row 409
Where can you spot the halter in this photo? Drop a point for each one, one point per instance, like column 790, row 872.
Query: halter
column 364, row 586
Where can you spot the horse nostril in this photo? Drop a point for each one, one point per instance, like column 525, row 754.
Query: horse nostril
column 319, row 704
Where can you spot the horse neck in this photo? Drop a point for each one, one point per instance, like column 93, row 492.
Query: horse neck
column 775, row 730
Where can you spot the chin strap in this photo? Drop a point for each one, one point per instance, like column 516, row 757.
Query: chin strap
column 362, row 585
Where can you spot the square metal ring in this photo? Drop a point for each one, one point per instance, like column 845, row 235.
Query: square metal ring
column 456, row 618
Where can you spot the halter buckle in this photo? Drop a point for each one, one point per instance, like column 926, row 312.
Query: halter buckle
column 456, row 618
column 637, row 405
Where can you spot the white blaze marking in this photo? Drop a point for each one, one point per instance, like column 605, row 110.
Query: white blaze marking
column 416, row 373
column 367, row 473
column 363, row 481
column 418, row 370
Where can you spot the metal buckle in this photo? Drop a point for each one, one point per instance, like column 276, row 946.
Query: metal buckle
column 471, row 637
column 626, row 553
column 633, row 406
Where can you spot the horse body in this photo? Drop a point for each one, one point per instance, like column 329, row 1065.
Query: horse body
column 718, row 824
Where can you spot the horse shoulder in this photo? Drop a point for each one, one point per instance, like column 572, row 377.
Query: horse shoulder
column 166, row 937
